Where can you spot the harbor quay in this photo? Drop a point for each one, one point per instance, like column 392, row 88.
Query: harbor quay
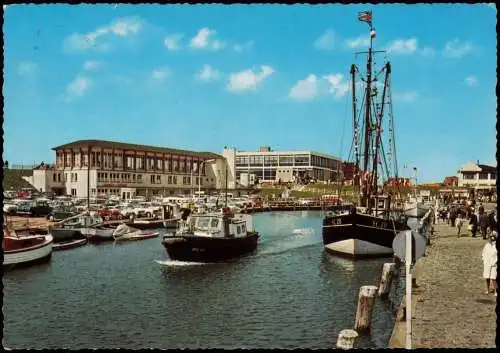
column 449, row 308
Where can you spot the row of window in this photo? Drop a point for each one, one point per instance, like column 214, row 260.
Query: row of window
column 272, row 160
column 482, row 176
column 107, row 160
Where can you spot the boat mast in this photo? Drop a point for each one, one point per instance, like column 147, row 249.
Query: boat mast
column 366, row 16
column 88, row 179
column 379, row 128
column 355, row 125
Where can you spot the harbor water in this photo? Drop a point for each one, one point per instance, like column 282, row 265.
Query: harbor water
column 288, row 294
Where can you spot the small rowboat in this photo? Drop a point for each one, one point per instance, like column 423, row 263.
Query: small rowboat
column 138, row 236
column 69, row 244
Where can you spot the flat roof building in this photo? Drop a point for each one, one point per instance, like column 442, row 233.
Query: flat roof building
column 266, row 165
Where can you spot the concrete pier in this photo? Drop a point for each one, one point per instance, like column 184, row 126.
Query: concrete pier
column 449, row 307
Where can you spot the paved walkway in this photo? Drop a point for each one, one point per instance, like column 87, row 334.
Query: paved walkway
column 450, row 309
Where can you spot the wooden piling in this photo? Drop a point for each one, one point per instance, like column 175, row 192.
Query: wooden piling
column 365, row 308
column 388, row 272
column 347, row 339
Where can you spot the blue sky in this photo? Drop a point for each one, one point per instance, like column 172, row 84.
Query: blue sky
column 202, row 77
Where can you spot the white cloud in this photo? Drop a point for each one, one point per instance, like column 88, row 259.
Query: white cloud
column 402, row 46
column 305, row 90
column 205, row 39
column 471, row 81
column 456, row 49
column 171, row 42
column 338, row 86
column 326, row 41
column 243, row 47
column 248, row 80
column 409, row 96
column 360, row 41
column 160, row 73
column 91, row 65
column 207, row 74
column 123, row 27
column 26, row 68
column 78, row 86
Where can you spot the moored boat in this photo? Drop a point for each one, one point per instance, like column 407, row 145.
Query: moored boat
column 368, row 231
column 211, row 237
column 124, row 232
column 69, row 244
column 25, row 250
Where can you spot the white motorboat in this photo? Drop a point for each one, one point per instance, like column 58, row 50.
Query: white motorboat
column 25, row 250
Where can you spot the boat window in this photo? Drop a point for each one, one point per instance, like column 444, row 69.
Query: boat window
column 243, row 228
column 214, row 223
column 238, row 229
column 202, row 223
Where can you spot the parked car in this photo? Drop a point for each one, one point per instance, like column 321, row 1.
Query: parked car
column 34, row 208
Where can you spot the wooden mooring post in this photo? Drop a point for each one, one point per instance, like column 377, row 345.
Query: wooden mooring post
column 347, row 339
column 388, row 272
column 365, row 308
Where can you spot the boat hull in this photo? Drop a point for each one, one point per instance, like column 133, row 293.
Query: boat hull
column 30, row 256
column 66, row 234
column 70, row 244
column 358, row 235
column 417, row 211
column 99, row 235
column 193, row 248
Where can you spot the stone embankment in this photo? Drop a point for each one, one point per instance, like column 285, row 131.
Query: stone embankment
column 449, row 309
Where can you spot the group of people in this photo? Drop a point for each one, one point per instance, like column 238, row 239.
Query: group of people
column 478, row 221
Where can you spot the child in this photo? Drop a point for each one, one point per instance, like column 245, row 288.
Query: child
column 458, row 223
column 490, row 263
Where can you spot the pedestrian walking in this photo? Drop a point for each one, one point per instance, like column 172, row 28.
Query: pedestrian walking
column 473, row 223
column 489, row 256
column 458, row 223
column 483, row 222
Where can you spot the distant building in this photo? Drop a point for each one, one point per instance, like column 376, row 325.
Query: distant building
column 478, row 176
column 450, row 181
column 399, row 182
column 266, row 165
column 478, row 179
column 128, row 170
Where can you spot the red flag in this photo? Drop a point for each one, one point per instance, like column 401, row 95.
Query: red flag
column 365, row 16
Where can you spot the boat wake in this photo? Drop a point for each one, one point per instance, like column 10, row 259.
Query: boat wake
column 274, row 250
column 175, row 263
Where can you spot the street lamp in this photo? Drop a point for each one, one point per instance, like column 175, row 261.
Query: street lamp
column 199, row 174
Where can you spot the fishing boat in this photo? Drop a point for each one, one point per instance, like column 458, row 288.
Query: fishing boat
column 416, row 209
column 211, row 237
column 25, row 250
column 368, row 230
column 76, row 227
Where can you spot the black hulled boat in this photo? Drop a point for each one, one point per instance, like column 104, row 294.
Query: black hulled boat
column 368, row 231
column 211, row 237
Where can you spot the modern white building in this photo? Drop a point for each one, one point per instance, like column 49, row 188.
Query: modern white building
column 128, row 170
column 266, row 165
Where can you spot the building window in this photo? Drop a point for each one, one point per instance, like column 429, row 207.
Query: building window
column 158, row 179
column 493, row 176
column 469, row 176
column 286, row 160
column 483, row 176
column 76, row 177
column 139, row 178
column 169, row 179
column 59, row 177
column 73, row 192
column 92, row 191
column 54, row 177
column 174, row 179
column 302, row 159
column 152, row 179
